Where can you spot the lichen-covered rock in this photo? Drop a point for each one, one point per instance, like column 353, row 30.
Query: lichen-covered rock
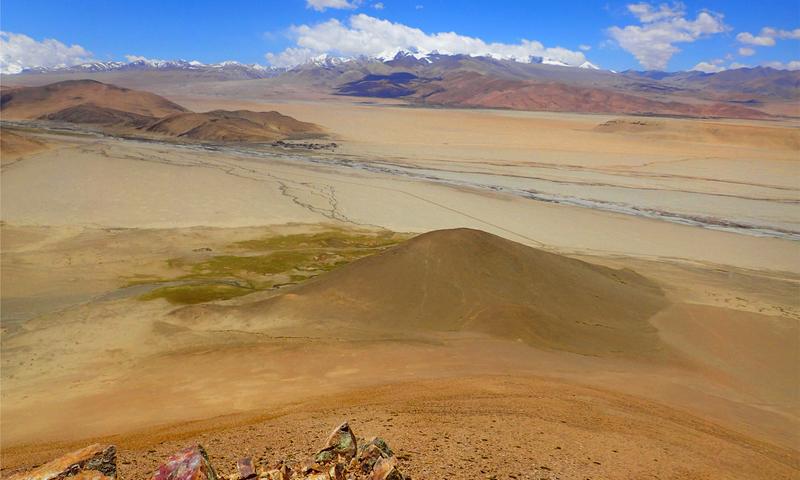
column 374, row 461
column 386, row 469
column 368, row 457
column 371, row 451
column 340, row 443
column 188, row 464
column 93, row 462
column 382, row 445
column 246, row 468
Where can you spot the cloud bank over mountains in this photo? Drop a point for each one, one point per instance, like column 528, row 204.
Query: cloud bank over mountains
column 18, row 51
column 654, row 38
column 364, row 35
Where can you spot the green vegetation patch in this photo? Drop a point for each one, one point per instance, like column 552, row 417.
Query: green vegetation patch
column 322, row 240
column 191, row 294
column 267, row 262
column 270, row 264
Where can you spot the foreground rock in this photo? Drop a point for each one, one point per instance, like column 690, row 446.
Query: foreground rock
column 189, row 464
column 340, row 458
column 341, row 445
column 95, row 462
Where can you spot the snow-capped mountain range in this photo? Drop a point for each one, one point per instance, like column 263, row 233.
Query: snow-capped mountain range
column 326, row 60
column 149, row 64
column 255, row 70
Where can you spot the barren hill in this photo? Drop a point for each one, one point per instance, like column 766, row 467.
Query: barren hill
column 240, row 125
column 36, row 102
column 471, row 281
column 471, row 89
column 92, row 114
column 88, row 102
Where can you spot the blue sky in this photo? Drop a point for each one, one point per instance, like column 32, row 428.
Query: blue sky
column 672, row 36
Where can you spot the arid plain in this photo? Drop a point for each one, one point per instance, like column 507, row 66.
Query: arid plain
column 691, row 225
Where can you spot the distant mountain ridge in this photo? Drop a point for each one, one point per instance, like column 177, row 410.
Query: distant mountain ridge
column 430, row 78
column 250, row 70
column 261, row 71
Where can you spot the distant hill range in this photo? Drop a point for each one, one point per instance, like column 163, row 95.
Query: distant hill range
column 127, row 111
column 466, row 81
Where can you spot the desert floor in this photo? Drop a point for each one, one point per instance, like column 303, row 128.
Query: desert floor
column 706, row 209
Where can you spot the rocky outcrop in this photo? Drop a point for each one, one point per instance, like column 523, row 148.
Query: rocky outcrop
column 340, row 458
column 341, row 445
column 95, row 462
column 189, row 464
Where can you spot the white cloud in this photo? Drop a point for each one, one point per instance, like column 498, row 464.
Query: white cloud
column 709, row 67
column 369, row 36
column 291, row 56
column 746, row 51
column 378, row 6
column 767, row 36
column 759, row 40
column 653, row 42
column 790, row 65
column 789, row 34
column 714, row 66
column 139, row 58
column 585, row 48
column 322, row 5
column 18, row 51
column 646, row 13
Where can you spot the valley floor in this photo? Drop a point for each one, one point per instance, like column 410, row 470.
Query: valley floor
column 93, row 224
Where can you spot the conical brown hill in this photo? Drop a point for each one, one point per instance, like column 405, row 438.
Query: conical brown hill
column 465, row 280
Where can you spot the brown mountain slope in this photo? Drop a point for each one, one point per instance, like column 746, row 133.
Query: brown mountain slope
column 463, row 280
column 240, row 125
column 120, row 110
column 476, row 90
column 91, row 114
column 36, row 102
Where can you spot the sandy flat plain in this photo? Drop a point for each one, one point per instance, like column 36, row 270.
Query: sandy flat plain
column 707, row 209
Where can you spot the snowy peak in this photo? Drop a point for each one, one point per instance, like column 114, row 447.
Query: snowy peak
column 234, row 69
column 407, row 56
column 147, row 64
column 327, row 61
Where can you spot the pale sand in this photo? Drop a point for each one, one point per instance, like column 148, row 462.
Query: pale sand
column 542, row 137
column 112, row 380
column 123, row 184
